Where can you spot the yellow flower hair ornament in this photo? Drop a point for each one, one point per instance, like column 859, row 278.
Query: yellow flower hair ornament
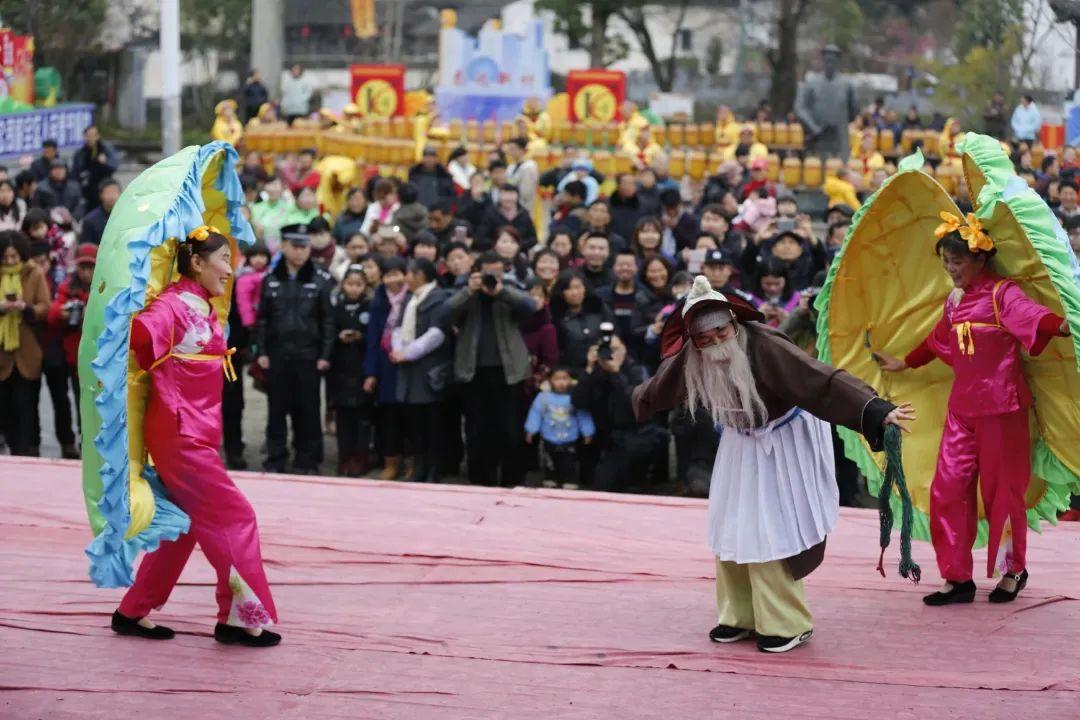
column 201, row 233
column 972, row 232
column 950, row 223
column 976, row 237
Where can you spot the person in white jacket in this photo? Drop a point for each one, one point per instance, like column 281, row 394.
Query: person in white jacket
column 1026, row 120
column 296, row 94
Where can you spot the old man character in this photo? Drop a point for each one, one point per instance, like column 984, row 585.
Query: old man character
column 773, row 496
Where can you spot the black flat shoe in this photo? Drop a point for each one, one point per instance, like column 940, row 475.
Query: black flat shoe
column 230, row 635
column 1003, row 596
column 771, row 644
column 123, row 625
column 728, row 634
column 961, row 593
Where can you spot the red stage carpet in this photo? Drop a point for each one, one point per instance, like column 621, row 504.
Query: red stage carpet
column 413, row 601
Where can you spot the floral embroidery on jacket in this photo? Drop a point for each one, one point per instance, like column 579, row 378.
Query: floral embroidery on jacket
column 198, row 332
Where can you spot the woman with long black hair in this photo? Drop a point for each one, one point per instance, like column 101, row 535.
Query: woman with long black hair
column 647, row 320
column 577, row 313
column 24, row 302
column 12, row 208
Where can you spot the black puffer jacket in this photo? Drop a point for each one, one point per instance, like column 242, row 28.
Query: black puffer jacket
column 295, row 316
column 579, row 331
column 346, row 378
column 431, row 185
column 625, row 213
column 494, row 219
column 608, row 397
column 647, row 303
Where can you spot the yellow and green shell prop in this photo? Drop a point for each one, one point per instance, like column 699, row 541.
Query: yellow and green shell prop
column 885, row 292
column 129, row 509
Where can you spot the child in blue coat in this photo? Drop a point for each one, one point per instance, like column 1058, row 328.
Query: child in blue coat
column 560, row 425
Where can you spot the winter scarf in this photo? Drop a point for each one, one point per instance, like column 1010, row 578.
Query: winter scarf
column 393, row 320
column 10, row 284
column 408, row 323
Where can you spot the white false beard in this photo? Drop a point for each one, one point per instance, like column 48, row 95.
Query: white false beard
column 720, row 382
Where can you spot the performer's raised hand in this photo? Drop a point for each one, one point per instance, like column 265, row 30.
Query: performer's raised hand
column 904, row 413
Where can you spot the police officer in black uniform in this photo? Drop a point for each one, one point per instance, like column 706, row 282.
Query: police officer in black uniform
column 294, row 338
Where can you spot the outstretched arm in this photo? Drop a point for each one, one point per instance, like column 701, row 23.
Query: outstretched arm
column 829, row 393
column 665, row 390
column 1033, row 325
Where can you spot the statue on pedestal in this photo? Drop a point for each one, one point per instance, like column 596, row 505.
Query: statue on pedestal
column 826, row 104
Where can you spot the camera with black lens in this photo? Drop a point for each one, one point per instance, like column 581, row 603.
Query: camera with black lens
column 489, row 281
column 603, row 348
column 75, row 312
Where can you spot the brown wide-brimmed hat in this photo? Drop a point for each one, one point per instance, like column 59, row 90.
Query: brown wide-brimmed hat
column 701, row 298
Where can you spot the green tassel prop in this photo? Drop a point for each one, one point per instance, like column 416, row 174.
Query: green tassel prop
column 894, row 474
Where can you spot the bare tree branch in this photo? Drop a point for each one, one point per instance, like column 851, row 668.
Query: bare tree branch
column 1030, row 44
column 663, row 70
column 683, row 6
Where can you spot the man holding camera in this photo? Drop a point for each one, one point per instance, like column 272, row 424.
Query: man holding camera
column 627, row 449
column 66, row 316
column 491, row 358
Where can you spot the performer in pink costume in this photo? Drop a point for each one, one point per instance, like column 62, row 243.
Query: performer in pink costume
column 986, row 321
column 178, row 340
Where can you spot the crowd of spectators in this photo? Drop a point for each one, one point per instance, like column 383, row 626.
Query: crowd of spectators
column 52, row 216
column 432, row 329
column 454, row 338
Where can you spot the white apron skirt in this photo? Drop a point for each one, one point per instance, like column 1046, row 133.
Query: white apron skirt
column 773, row 492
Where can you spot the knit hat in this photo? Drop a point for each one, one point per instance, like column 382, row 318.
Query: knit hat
column 709, row 320
column 86, row 254
column 702, row 296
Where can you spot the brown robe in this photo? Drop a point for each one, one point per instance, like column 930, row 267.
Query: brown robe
column 785, row 377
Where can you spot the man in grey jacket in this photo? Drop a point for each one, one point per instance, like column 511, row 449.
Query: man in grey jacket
column 492, row 360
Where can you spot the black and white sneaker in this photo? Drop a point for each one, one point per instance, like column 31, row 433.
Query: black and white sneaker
column 728, row 634
column 783, row 644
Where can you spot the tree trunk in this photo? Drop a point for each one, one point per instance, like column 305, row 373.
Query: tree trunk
column 785, row 60
column 598, row 36
column 663, row 70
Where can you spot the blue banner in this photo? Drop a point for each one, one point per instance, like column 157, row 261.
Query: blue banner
column 24, row 132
